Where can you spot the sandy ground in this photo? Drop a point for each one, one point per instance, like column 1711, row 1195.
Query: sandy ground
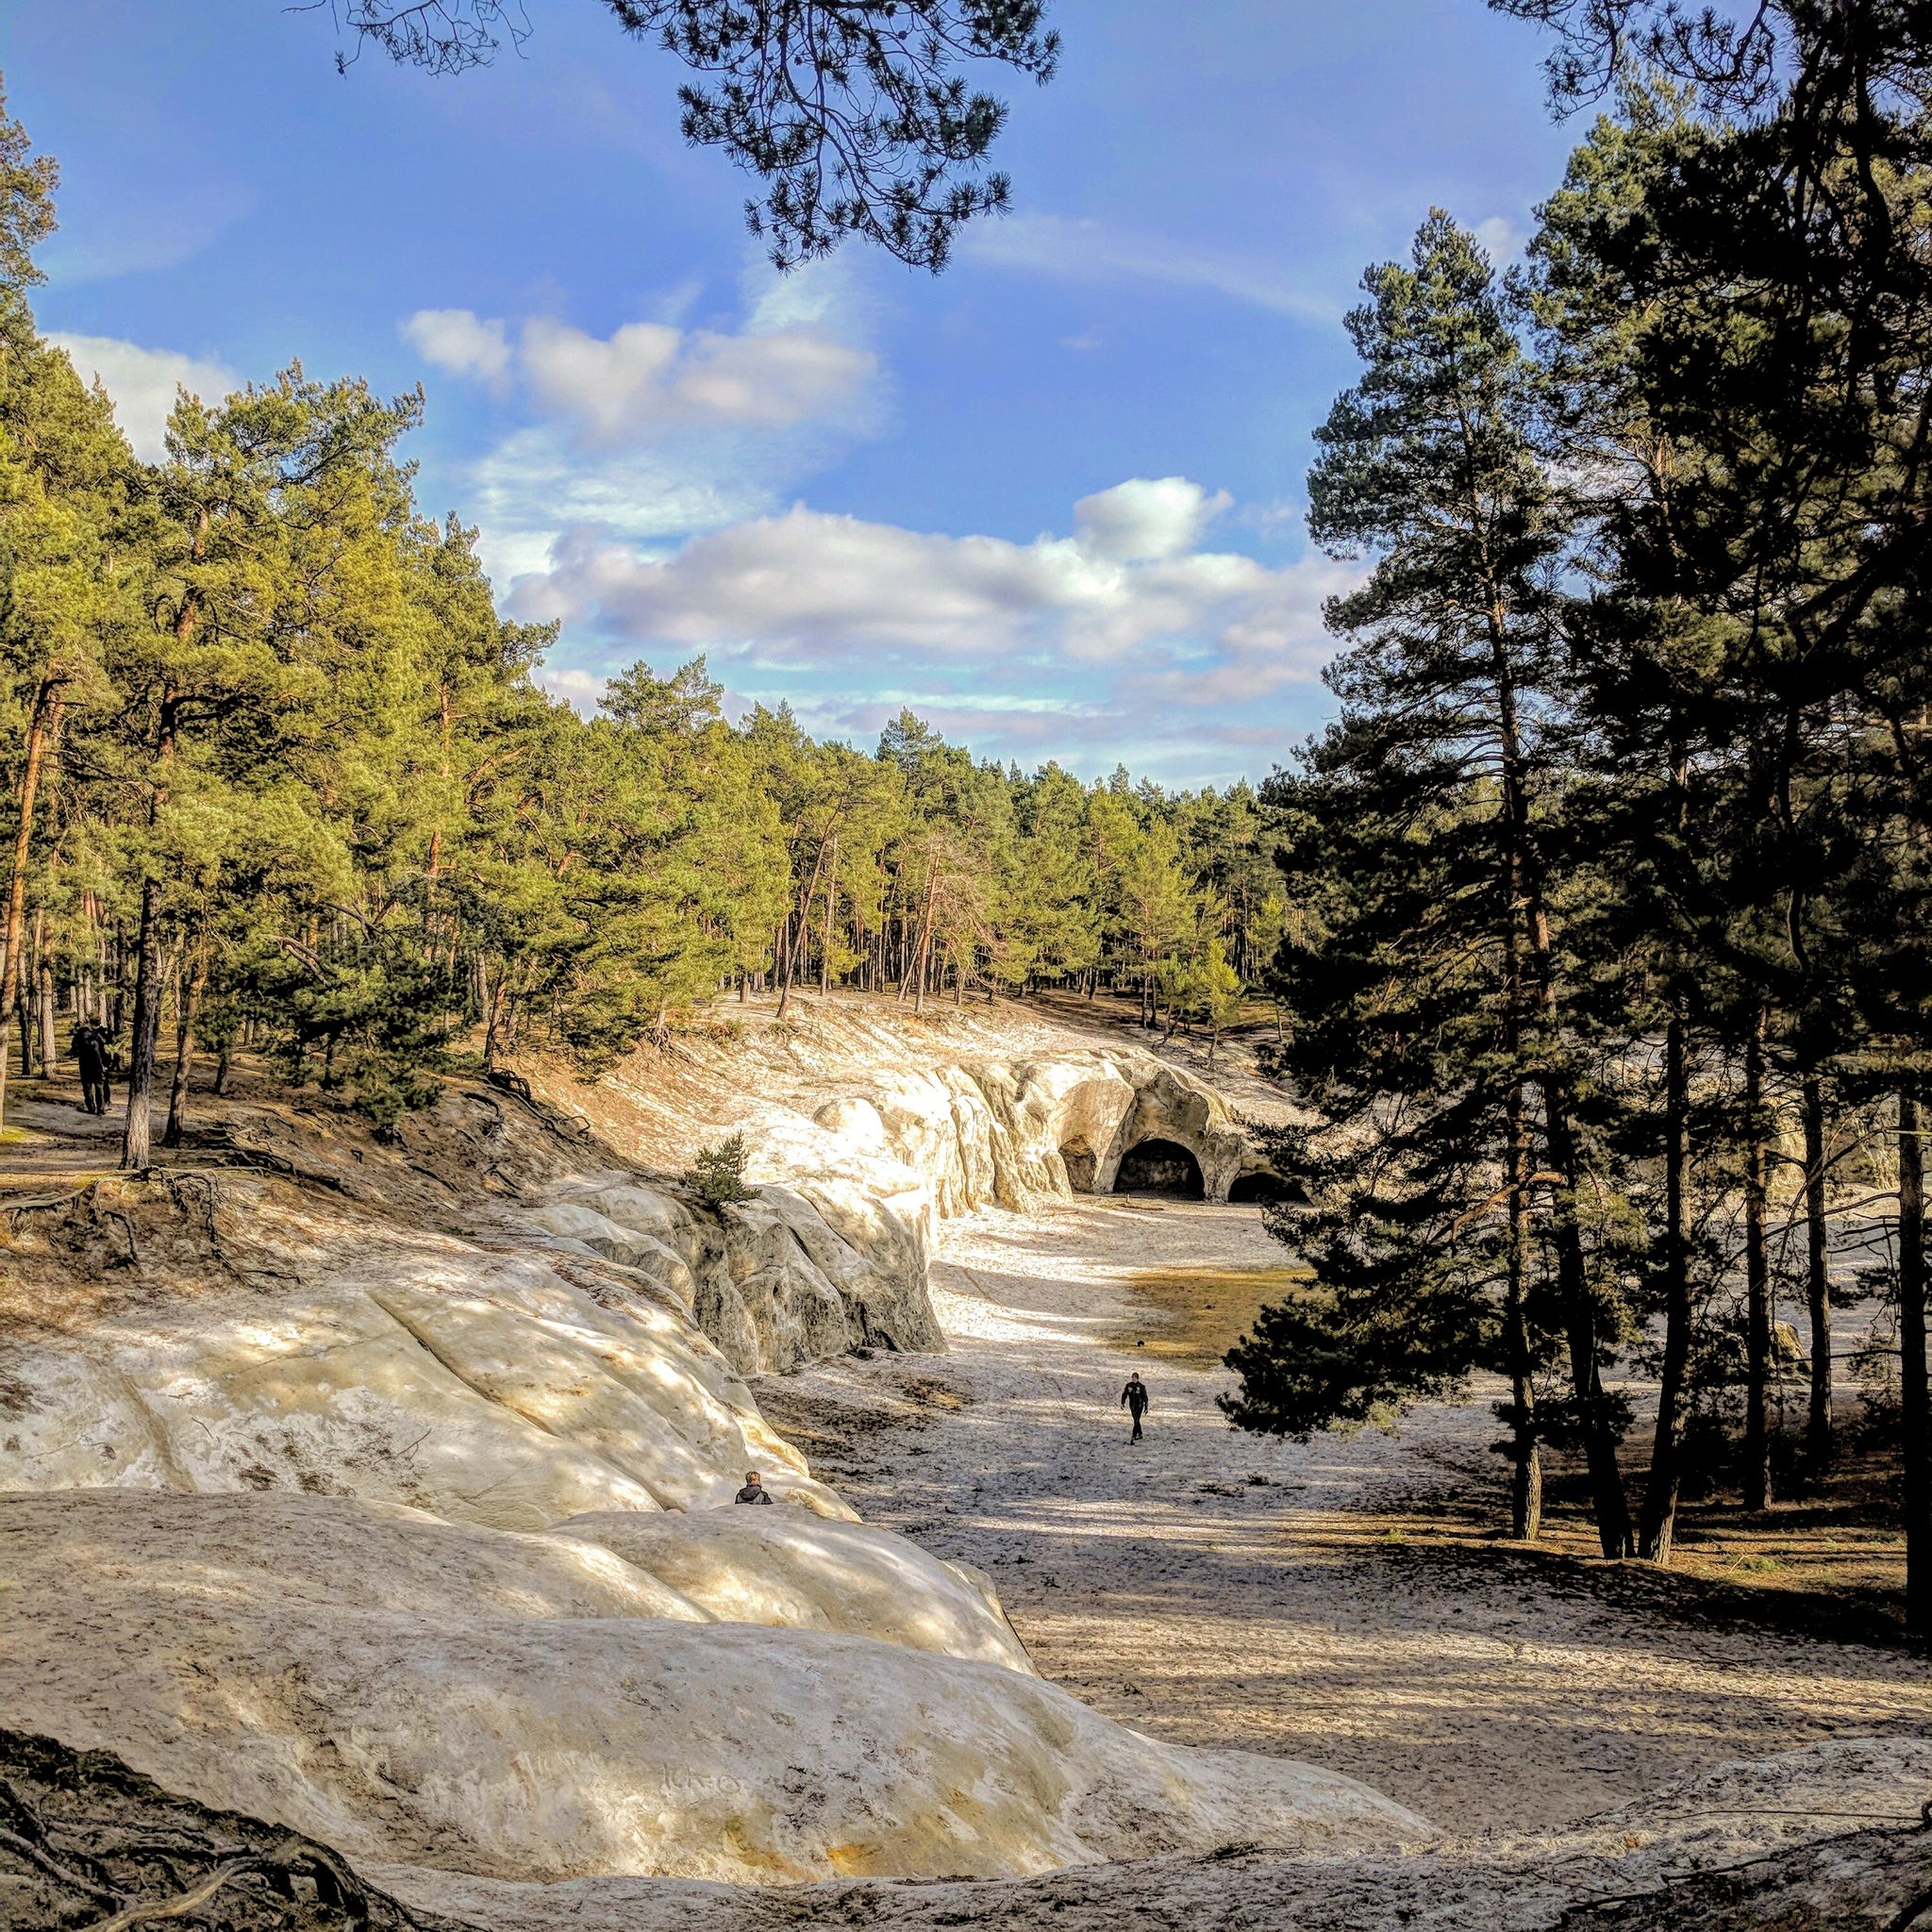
column 1214, row 1588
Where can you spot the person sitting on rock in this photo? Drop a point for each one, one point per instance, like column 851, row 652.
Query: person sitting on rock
column 1134, row 1400
column 754, row 1490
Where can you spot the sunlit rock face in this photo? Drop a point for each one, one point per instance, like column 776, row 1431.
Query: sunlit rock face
column 782, row 1567
column 533, row 1707
column 281, row 1341
column 832, row 1254
column 987, row 1132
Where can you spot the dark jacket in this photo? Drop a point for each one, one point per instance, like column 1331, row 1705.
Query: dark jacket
column 753, row 1493
column 1134, row 1397
column 90, row 1054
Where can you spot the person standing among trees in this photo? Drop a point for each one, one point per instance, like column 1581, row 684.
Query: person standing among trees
column 1134, row 1400
column 91, row 1058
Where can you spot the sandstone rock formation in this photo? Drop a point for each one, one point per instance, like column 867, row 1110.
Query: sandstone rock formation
column 263, row 1337
column 382, row 1488
column 536, row 1708
column 1798, row 1841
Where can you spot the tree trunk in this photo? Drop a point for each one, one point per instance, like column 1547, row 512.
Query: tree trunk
column 915, row 964
column 184, row 1048
column 1525, row 1458
column 1817, row 1278
column 831, row 909
column 135, row 1146
column 1659, row 1520
column 48, row 1056
column 1756, row 1474
column 41, row 725
column 1914, row 1419
column 1608, row 1504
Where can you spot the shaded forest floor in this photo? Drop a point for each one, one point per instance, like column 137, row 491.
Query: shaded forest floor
column 1828, row 1561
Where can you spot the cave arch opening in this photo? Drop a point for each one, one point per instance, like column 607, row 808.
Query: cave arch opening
column 1262, row 1188
column 1161, row 1167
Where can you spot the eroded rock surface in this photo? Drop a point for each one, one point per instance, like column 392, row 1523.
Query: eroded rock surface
column 266, row 1336
column 91, row 1836
column 556, row 1725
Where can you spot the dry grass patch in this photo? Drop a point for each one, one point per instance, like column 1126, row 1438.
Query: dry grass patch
column 1197, row 1314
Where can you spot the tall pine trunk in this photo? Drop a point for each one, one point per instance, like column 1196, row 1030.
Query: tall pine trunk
column 1526, row 1469
column 1914, row 1419
column 831, row 908
column 1657, row 1527
column 135, row 1134
column 48, row 1056
column 1817, row 1277
column 135, row 1148
column 1756, row 1474
column 42, row 723
column 184, row 1048
column 1610, row 1506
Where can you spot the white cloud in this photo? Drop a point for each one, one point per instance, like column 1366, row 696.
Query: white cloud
column 1141, row 519
column 1126, row 595
column 659, row 431
column 649, row 377
column 647, row 380
column 461, row 341
column 1501, row 239
column 142, row 383
column 1090, row 251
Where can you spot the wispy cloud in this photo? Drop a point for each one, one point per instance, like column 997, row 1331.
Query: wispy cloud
column 1082, row 250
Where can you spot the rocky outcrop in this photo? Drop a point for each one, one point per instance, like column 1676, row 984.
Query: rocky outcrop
column 382, row 1488
column 832, row 1256
column 780, row 1567
column 533, row 1708
column 259, row 1336
column 987, row 1132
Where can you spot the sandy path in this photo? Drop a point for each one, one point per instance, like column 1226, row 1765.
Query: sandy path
column 1168, row 1587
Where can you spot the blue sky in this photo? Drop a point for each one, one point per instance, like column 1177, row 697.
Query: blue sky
column 1050, row 499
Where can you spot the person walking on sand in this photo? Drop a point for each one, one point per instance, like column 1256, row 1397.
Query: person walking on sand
column 754, row 1490
column 91, row 1058
column 1134, row 1400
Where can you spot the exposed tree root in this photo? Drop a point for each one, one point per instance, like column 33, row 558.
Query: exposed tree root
column 80, row 1832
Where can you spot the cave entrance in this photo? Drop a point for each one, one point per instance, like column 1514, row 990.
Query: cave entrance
column 1161, row 1167
column 1260, row 1187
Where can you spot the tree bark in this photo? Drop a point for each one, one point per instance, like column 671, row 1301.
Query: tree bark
column 136, row 1150
column 1526, row 1459
column 915, row 964
column 1756, row 1475
column 1657, row 1527
column 831, row 908
column 1609, row 1505
column 42, row 723
column 184, row 1048
column 1817, row 1278
column 49, row 1055
column 1914, row 1419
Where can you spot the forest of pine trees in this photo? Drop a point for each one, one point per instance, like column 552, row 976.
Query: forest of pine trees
column 278, row 776
column 1597, row 921
column 1609, row 983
